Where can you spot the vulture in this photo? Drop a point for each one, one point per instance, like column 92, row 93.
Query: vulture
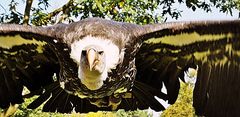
column 98, row 64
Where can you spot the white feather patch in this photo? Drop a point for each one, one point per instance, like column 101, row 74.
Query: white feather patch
column 111, row 51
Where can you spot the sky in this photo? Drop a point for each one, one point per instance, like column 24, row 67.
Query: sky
column 199, row 14
column 187, row 14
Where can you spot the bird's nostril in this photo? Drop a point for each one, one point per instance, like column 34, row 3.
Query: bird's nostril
column 84, row 52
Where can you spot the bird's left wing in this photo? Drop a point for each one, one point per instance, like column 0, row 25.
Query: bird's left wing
column 169, row 49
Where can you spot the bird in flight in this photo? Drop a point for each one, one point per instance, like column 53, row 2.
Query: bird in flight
column 97, row 64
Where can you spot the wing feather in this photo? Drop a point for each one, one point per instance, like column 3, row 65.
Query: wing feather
column 168, row 50
column 26, row 59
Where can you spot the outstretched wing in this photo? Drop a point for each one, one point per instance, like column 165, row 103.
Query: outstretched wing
column 29, row 57
column 26, row 59
column 214, row 46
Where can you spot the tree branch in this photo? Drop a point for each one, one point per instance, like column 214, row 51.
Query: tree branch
column 27, row 11
column 57, row 11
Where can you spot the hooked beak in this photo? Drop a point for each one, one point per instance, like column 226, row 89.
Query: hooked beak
column 91, row 57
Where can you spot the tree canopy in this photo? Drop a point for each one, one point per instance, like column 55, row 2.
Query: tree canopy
column 134, row 11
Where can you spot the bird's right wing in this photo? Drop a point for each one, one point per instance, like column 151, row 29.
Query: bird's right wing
column 26, row 59
column 29, row 57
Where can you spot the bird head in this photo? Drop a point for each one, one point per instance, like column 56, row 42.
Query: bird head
column 93, row 59
column 92, row 67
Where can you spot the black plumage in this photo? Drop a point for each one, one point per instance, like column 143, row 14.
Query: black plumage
column 153, row 54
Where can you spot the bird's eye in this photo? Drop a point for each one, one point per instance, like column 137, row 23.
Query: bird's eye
column 84, row 52
column 100, row 52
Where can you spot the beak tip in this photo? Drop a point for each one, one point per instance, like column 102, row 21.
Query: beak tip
column 90, row 68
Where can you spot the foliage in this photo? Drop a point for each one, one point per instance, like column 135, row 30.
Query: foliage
column 134, row 11
column 24, row 112
column 183, row 106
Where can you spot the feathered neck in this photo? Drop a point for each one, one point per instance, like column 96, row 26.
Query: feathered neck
column 92, row 80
